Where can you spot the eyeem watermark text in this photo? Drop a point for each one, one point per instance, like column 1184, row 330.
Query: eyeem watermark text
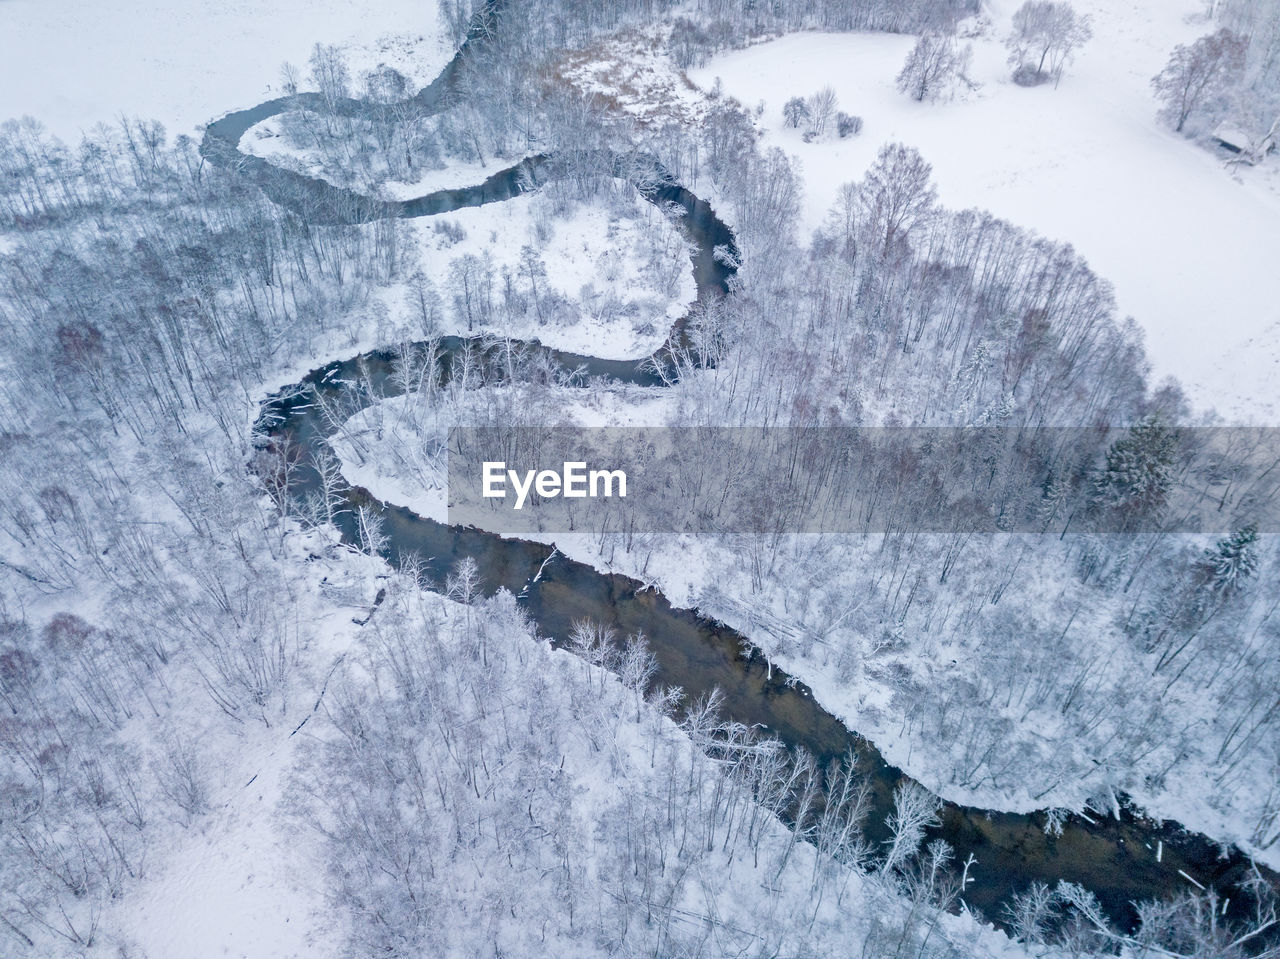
column 575, row 480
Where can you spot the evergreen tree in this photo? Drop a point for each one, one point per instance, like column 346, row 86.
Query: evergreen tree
column 1233, row 560
column 1135, row 482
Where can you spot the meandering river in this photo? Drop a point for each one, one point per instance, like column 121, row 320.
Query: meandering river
column 1120, row 860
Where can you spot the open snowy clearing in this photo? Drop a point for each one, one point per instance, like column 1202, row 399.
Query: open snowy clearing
column 617, row 271
column 185, row 63
column 1190, row 246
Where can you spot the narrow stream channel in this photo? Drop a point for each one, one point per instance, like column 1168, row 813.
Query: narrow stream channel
column 1114, row 858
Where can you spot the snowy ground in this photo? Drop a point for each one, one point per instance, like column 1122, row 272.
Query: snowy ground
column 1190, row 246
column 618, row 267
column 395, row 448
column 267, row 140
column 237, row 883
column 185, row 63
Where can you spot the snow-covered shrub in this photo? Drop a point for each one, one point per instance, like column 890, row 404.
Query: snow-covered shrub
column 848, row 125
column 1027, row 75
column 450, row 231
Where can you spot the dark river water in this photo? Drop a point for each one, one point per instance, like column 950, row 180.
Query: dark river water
column 1114, row 858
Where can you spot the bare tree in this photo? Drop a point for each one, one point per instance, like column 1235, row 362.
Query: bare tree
column 637, row 669
column 1030, row 913
column 896, row 195
column 183, row 778
column 914, row 809
column 822, row 108
column 932, row 67
column 847, row 125
column 1197, row 76
column 795, row 111
column 371, row 529
column 330, row 75
column 1045, row 36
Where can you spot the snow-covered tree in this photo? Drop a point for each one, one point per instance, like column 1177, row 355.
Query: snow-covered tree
column 932, row 67
column 1197, row 76
column 1253, row 96
column 796, row 111
column 1045, row 36
column 822, row 108
column 1258, row 22
column 1233, row 560
column 914, row 810
column 896, row 195
column 1030, row 912
column 847, row 125
column 329, row 73
column 1138, row 474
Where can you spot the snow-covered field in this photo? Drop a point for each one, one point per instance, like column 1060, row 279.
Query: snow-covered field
column 1191, row 247
column 187, row 62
